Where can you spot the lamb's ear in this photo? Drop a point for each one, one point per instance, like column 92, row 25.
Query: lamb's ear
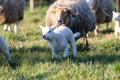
column 41, row 27
column 53, row 28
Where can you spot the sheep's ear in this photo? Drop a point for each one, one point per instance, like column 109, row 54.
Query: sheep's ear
column 69, row 11
column 41, row 27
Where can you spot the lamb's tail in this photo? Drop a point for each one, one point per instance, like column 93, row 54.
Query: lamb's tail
column 76, row 35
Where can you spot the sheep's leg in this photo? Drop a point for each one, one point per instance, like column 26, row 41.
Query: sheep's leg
column 57, row 55
column 65, row 53
column 116, row 34
column 116, row 31
column 53, row 55
column 5, row 27
column 5, row 50
column 9, row 28
column 107, row 26
column 73, row 47
column 96, row 30
column 16, row 27
column 85, row 41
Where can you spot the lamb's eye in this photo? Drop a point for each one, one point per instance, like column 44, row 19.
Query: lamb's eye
column 49, row 31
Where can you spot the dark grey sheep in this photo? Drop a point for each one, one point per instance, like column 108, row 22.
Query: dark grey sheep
column 103, row 11
column 11, row 11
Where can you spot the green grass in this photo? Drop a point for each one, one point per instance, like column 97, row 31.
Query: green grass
column 30, row 53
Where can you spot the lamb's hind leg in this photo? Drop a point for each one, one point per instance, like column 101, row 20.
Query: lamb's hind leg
column 65, row 54
column 73, row 46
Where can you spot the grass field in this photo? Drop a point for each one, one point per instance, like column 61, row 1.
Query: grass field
column 30, row 53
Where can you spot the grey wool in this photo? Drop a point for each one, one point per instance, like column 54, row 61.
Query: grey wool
column 11, row 11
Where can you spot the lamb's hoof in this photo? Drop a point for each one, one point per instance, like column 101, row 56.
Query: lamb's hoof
column 72, row 57
column 55, row 59
column 12, row 65
column 64, row 58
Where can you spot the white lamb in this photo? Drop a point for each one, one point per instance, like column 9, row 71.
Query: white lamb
column 58, row 39
column 117, row 24
column 4, row 48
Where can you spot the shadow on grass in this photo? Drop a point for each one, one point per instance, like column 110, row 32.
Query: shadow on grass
column 38, row 54
column 81, row 48
column 107, row 31
column 31, row 55
column 101, row 58
column 20, row 76
column 36, row 20
column 39, row 76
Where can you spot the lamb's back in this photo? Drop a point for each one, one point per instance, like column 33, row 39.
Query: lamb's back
column 64, row 31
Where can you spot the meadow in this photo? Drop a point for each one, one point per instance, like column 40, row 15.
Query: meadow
column 30, row 53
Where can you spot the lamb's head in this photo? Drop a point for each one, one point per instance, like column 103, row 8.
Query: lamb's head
column 61, row 14
column 47, row 33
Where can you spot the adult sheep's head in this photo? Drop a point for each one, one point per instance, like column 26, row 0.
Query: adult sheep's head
column 47, row 32
column 61, row 14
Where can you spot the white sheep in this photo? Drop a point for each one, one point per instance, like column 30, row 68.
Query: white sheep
column 117, row 24
column 4, row 48
column 58, row 39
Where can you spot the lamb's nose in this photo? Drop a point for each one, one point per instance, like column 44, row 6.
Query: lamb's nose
column 43, row 36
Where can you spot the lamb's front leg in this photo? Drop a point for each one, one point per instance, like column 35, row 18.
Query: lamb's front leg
column 65, row 54
column 55, row 55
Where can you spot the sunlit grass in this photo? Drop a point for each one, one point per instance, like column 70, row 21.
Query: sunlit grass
column 30, row 53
